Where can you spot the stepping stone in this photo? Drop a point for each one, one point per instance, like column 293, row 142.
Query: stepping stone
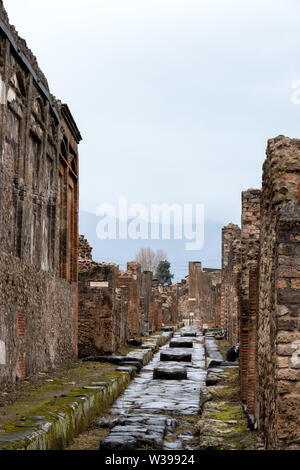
column 135, row 342
column 167, row 328
column 179, row 356
column 214, row 363
column 181, row 343
column 170, row 373
column 189, row 334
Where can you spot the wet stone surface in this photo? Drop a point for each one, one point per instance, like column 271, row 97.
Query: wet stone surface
column 189, row 331
column 146, row 414
column 170, row 372
column 176, row 355
column 181, row 343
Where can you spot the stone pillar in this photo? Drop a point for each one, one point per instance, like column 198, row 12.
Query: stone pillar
column 132, row 279
column 250, row 261
column 252, row 345
column 146, row 292
column 229, row 234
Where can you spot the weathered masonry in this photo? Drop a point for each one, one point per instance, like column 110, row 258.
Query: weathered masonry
column 38, row 218
column 103, row 306
column 202, row 293
column 260, row 296
column 116, row 306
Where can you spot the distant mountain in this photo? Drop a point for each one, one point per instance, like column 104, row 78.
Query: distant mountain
column 122, row 251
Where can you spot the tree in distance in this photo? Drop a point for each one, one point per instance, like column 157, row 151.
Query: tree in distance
column 149, row 259
column 163, row 273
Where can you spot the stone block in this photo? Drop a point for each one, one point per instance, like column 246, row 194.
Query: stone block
column 177, row 356
column 170, row 373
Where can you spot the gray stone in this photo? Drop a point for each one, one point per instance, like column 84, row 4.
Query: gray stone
column 121, row 442
column 176, row 356
column 181, row 343
column 107, row 422
column 170, row 373
column 135, row 342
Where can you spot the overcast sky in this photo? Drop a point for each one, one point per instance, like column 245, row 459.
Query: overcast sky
column 175, row 99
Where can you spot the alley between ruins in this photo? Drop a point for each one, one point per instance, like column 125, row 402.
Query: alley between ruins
column 161, row 409
column 86, row 344
column 148, row 409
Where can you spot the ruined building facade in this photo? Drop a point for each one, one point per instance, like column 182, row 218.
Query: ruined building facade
column 39, row 216
column 260, row 296
column 116, row 306
column 202, row 294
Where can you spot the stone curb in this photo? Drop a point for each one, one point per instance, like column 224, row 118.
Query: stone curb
column 55, row 427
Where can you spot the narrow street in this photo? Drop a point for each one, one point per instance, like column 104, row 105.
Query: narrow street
column 149, row 408
column 164, row 413
column 150, row 226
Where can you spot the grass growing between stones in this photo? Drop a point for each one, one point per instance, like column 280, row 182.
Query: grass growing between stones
column 48, row 403
column 223, row 424
column 223, row 346
column 89, row 440
column 49, row 410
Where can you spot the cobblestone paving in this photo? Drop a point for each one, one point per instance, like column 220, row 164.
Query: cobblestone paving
column 145, row 415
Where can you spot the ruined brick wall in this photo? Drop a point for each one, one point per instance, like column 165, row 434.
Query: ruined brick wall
column 183, row 300
column 249, row 384
column 132, row 279
column 278, row 320
column 103, row 306
column 202, row 293
column 174, row 295
column 39, row 216
column 195, row 269
column 210, row 278
column 251, row 219
column 218, row 306
column 232, row 276
column 154, row 311
column 229, row 233
column 85, row 250
column 146, row 293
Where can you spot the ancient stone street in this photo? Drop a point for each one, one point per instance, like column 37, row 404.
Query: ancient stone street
column 112, row 353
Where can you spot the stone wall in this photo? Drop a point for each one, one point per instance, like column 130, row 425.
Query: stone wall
column 103, row 305
column 38, row 219
column 251, row 219
column 229, row 233
column 278, row 319
column 202, row 293
column 116, row 306
column 260, row 292
column 183, row 300
column 132, row 279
